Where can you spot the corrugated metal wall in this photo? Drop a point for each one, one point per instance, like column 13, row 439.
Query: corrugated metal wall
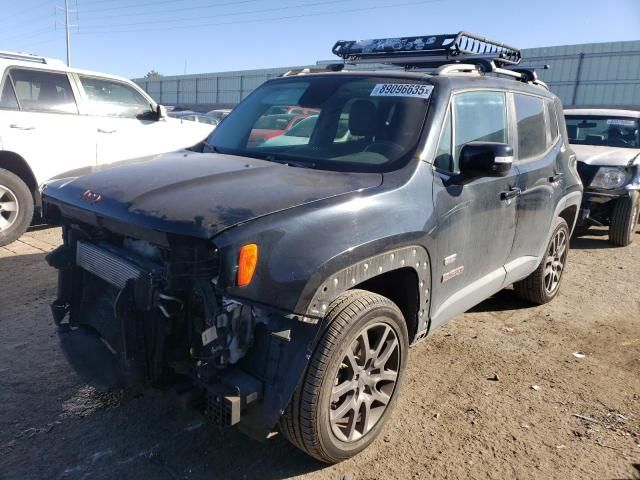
column 591, row 74
column 585, row 74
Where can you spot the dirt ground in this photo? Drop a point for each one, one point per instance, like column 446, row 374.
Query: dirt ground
column 469, row 408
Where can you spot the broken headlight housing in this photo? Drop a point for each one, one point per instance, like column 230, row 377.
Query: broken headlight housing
column 610, row 178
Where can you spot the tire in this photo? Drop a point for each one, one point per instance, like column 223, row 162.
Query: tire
column 624, row 219
column 16, row 207
column 543, row 284
column 307, row 422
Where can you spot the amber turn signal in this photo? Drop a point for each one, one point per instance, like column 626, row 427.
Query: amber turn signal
column 247, row 262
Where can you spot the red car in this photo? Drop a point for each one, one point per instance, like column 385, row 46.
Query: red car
column 271, row 126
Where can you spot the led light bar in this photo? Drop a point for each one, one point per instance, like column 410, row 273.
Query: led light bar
column 429, row 50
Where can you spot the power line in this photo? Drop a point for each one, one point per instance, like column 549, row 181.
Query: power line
column 172, row 10
column 129, row 7
column 26, row 10
column 263, row 20
column 266, row 10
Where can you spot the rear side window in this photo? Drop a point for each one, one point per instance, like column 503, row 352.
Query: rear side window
column 8, row 96
column 478, row 117
column 43, row 91
column 532, row 132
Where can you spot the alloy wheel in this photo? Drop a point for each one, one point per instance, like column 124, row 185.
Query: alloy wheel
column 365, row 382
column 555, row 261
column 9, row 208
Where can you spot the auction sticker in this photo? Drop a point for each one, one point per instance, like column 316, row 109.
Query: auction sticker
column 402, row 90
column 621, row 122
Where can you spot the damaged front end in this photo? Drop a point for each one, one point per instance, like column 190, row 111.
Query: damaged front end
column 132, row 314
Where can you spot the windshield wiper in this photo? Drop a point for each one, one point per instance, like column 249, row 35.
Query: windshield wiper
column 290, row 163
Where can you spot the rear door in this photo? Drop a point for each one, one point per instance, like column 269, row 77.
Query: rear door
column 476, row 226
column 538, row 152
column 39, row 121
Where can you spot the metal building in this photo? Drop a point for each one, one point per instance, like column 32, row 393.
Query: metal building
column 584, row 74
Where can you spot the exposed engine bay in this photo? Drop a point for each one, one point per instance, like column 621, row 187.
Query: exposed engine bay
column 132, row 314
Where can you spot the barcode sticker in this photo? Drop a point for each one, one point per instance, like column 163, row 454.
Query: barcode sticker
column 402, row 90
column 621, row 122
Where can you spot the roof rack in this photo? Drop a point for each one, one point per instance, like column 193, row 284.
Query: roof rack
column 428, row 51
column 449, row 54
column 23, row 57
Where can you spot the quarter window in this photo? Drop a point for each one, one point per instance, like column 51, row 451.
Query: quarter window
column 552, row 122
column 444, row 159
column 8, row 97
column 43, row 91
column 113, row 99
column 532, row 132
column 478, row 117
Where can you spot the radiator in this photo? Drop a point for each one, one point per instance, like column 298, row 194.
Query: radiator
column 106, row 265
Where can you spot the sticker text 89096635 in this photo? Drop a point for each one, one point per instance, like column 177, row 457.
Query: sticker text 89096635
column 402, row 90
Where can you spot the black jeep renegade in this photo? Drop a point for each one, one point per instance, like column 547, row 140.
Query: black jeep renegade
column 278, row 281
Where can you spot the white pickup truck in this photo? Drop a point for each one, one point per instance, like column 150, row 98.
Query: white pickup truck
column 606, row 142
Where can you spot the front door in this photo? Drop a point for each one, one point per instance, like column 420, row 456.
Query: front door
column 476, row 223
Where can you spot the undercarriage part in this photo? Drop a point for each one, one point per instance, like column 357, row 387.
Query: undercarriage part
column 230, row 395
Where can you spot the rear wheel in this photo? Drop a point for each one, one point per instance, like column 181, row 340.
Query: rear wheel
column 544, row 283
column 624, row 220
column 352, row 381
column 16, row 207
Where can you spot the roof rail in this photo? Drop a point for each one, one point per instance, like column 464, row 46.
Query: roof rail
column 23, row 57
column 332, row 67
column 428, row 51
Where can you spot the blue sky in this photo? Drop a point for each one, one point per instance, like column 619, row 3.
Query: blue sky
column 130, row 38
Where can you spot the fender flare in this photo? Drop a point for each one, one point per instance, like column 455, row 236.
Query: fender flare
column 415, row 257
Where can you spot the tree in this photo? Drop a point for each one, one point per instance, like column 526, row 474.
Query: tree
column 153, row 74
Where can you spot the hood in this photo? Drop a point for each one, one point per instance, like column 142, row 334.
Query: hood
column 201, row 194
column 606, row 156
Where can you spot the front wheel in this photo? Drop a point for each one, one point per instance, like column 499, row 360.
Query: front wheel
column 352, row 381
column 16, row 207
column 624, row 219
column 544, row 283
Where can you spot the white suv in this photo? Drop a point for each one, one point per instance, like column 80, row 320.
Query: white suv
column 58, row 122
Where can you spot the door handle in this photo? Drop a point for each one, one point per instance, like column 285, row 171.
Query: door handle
column 104, row 130
column 510, row 194
column 555, row 177
column 21, row 127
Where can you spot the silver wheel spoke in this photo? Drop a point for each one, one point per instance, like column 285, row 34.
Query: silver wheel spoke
column 387, row 376
column 4, row 223
column 381, row 361
column 342, row 389
column 8, row 206
column 346, row 406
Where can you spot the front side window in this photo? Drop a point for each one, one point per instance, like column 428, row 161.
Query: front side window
column 532, row 132
column 43, row 91
column 611, row 131
column 478, row 117
column 338, row 122
column 109, row 98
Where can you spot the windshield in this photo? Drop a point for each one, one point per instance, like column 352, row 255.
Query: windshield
column 603, row 130
column 350, row 123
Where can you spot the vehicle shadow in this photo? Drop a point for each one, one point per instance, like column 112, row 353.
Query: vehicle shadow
column 505, row 299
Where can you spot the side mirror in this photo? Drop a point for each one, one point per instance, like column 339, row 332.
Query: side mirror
column 161, row 112
column 485, row 159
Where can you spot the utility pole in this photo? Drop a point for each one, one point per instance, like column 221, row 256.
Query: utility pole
column 67, row 27
column 66, row 24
